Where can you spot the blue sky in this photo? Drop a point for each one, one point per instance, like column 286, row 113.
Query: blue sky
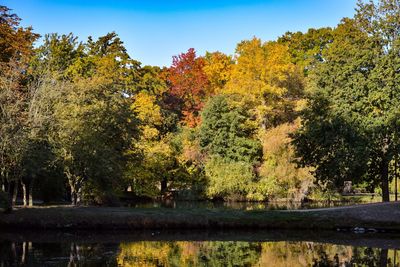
column 154, row 31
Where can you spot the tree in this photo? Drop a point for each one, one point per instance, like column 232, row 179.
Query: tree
column 188, row 84
column 265, row 76
column 306, row 49
column 231, row 148
column 218, row 68
column 223, row 132
column 351, row 128
column 228, row 180
column 56, row 56
column 15, row 41
column 16, row 49
column 95, row 138
column 109, row 62
column 279, row 175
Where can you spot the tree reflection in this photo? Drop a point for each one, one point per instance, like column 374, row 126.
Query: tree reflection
column 193, row 253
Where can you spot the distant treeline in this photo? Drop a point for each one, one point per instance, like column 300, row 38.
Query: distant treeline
column 291, row 118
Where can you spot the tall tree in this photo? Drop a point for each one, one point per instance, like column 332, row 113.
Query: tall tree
column 351, row 128
column 95, row 138
column 231, row 149
column 16, row 50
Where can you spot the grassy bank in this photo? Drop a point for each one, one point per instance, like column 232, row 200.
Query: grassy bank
column 381, row 216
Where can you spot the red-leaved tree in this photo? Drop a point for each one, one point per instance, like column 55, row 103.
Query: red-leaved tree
column 188, row 84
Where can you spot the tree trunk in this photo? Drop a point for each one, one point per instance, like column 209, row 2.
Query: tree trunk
column 6, row 189
column 79, row 196
column 76, row 194
column 14, row 252
column 73, row 195
column 3, row 185
column 73, row 256
column 383, row 259
column 385, row 180
column 14, row 193
column 164, row 184
column 30, row 193
column 24, row 194
column 395, row 178
column 24, row 253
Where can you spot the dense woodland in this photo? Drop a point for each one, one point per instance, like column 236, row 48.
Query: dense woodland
column 293, row 118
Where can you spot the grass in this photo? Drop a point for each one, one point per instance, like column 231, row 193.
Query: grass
column 380, row 216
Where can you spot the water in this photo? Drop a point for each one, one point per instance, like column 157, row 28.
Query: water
column 283, row 205
column 197, row 249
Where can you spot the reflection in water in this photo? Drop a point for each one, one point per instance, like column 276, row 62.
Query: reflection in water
column 194, row 253
column 283, row 205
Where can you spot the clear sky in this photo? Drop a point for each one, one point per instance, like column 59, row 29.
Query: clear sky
column 155, row 30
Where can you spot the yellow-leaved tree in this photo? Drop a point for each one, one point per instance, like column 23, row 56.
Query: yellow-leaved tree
column 265, row 76
column 218, row 68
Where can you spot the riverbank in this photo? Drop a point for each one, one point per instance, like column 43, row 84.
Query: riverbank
column 365, row 217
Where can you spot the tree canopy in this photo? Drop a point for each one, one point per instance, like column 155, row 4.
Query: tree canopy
column 84, row 122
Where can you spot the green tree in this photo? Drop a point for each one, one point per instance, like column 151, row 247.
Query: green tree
column 95, row 138
column 306, row 49
column 231, row 148
column 224, row 132
column 351, row 128
column 56, row 55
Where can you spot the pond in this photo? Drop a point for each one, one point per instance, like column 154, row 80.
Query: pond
column 277, row 205
column 198, row 249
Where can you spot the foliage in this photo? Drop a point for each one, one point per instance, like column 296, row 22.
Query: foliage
column 16, row 50
column 223, row 132
column 188, row 85
column 83, row 117
column 228, row 179
column 307, row 49
column 218, row 68
column 265, row 75
column 56, row 55
column 95, row 132
column 15, row 41
column 279, row 175
column 351, row 128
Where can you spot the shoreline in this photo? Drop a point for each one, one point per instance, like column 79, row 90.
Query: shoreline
column 376, row 217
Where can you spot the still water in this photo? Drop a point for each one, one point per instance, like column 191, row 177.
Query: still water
column 159, row 250
column 282, row 205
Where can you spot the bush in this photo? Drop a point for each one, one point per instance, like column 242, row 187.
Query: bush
column 279, row 175
column 227, row 179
